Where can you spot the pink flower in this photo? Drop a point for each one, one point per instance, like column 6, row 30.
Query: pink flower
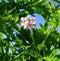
column 32, row 20
column 28, row 22
column 30, row 26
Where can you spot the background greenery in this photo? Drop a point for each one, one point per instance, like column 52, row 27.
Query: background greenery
column 16, row 43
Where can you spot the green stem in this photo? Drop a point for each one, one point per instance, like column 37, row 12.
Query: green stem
column 32, row 38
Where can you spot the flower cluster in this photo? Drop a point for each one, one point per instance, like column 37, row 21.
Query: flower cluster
column 27, row 22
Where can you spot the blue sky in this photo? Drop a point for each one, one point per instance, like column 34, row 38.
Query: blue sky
column 39, row 19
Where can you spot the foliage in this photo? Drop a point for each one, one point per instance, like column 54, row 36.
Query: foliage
column 16, row 43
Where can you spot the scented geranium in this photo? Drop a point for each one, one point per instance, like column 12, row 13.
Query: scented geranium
column 28, row 22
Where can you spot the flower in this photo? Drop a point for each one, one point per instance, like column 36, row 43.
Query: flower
column 27, row 22
column 32, row 20
column 30, row 26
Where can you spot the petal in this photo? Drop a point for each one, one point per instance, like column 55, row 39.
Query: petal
column 25, row 27
column 22, row 19
column 26, row 18
column 32, row 20
column 26, row 23
column 22, row 23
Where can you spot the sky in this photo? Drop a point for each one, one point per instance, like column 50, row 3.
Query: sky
column 39, row 19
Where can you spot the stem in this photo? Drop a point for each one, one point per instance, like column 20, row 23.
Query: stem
column 32, row 38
